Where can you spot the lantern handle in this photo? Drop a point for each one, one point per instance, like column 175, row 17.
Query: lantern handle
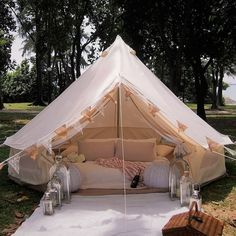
column 193, row 216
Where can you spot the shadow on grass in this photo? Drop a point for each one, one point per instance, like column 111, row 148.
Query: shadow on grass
column 219, row 190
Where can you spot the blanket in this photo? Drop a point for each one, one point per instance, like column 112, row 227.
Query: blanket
column 128, row 167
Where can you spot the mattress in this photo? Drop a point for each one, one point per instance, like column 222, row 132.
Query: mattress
column 96, row 176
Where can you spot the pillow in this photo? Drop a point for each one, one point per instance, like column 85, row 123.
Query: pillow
column 75, row 178
column 97, row 148
column 156, row 175
column 73, row 148
column 75, row 158
column 136, row 150
column 163, row 150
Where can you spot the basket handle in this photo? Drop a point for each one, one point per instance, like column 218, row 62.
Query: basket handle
column 190, row 215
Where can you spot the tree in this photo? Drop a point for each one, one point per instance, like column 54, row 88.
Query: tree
column 17, row 84
column 180, row 34
column 7, row 24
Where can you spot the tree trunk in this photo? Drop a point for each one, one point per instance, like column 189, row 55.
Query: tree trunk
column 201, row 87
column 72, row 62
column 39, row 56
column 1, row 100
column 49, row 72
column 214, row 104
column 220, row 87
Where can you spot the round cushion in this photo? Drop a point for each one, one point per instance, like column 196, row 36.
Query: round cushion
column 75, row 178
column 156, row 175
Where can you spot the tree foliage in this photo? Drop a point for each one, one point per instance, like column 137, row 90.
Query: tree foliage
column 17, row 85
column 7, row 24
column 188, row 44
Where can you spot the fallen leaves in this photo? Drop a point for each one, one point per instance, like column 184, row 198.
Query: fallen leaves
column 19, row 218
column 22, row 198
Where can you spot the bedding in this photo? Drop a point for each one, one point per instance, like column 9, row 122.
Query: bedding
column 130, row 168
column 97, row 176
column 103, row 167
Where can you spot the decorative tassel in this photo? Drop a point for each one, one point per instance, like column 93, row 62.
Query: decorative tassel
column 181, row 127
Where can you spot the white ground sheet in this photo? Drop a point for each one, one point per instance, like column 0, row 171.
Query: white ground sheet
column 145, row 214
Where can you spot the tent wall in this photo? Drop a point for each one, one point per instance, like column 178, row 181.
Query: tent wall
column 34, row 172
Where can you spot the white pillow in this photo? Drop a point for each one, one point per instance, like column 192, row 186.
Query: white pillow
column 97, row 148
column 136, row 150
column 73, row 148
column 156, row 175
column 75, row 178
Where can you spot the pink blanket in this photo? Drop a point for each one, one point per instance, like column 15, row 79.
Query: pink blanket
column 130, row 168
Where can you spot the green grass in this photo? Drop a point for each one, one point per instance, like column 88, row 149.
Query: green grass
column 219, row 197
column 22, row 106
column 193, row 106
column 9, row 190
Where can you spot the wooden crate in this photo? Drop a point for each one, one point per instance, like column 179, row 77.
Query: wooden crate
column 193, row 223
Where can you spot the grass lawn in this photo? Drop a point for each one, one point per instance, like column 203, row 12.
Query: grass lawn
column 17, row 202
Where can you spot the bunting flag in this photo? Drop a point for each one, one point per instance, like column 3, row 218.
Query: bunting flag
column 133, row 52
column 153, row 109
column 61, row 132
column 33, row 151
column 15, row 163
column 128, row 93
column 181, row 127
column 213, row 146
column 88, row 114
column 110, row 96
column 104, row 53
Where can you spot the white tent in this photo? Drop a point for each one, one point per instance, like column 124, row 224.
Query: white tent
column 118, row 96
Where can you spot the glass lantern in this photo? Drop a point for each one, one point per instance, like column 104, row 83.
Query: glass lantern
column 63, row 173
column 196, row 197
column 56, row 183
column 185, row 189
column 48, row 208
column 176, row 169
column 53, row 193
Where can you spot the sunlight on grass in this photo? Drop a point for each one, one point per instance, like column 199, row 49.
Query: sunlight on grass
column 22, row 106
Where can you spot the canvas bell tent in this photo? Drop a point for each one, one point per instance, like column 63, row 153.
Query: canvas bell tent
column 116, row 97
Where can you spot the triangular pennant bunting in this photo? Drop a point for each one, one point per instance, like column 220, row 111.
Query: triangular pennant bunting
column 181, row 127
column 213, row 146
column 153, row 109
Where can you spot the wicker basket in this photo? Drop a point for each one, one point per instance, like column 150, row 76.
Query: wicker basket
column 193, row 223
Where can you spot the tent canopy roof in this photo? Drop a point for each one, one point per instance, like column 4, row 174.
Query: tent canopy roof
column 118, row 66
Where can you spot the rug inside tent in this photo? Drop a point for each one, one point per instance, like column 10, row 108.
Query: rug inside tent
column 144, row 214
